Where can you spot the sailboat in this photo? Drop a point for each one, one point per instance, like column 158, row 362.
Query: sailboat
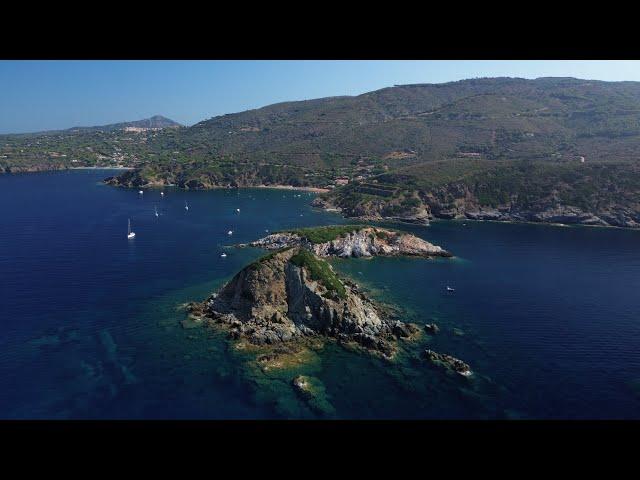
column 130, row 234
column 156, row 209
column 186, row 207
column 162, row 194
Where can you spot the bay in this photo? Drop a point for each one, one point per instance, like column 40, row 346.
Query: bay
column 89, row 321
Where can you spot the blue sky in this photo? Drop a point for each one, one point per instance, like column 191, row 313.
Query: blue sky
column 45, row 95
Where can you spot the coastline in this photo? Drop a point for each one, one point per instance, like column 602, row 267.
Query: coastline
column 100, row 168
column 426, row 223
column 339, row 211
column 18, row 170
column 291, row 187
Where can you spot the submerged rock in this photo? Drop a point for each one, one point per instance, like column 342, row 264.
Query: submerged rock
column 293, row 294
column 302, row 385
column 312, row 391
column 448, row 362
column 432, row 328
column 352, row 241
column 191, row 322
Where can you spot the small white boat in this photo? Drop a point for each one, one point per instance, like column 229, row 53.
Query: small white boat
column 162, row 194
column 449, row 289
column 130, row 234
column 223, row 255
column 186, row 206
column 140, row 192
column 156, row 209
column 230, row 232
column 267, row 230
column 238, row 210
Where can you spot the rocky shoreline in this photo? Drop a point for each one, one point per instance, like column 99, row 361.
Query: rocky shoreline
column 56, row 168
column 135, row 178
column 448, row 362
column 361, row 241
column 552, row 214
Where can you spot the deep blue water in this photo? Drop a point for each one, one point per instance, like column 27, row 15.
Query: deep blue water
column 547, row 317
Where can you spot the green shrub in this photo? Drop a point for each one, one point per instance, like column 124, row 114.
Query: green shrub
column 320, row 271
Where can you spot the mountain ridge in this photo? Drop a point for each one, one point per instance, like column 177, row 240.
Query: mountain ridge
column 155, row 121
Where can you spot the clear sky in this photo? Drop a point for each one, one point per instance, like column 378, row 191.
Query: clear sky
column 45, row 95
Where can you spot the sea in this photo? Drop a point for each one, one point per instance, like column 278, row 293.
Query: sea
column 547, row 317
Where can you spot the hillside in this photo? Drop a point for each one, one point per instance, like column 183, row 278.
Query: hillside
column 313, row 142
column 459, row 149
column 542, row 119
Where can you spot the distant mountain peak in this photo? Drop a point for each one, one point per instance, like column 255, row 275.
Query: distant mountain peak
column 155, row 122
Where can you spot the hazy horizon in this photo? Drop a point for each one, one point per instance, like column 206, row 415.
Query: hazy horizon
column 56, row 95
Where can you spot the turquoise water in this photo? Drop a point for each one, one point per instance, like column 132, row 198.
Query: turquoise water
column 89, row 324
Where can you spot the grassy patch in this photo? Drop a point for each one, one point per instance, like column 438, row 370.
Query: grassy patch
column 320, row 271
column 326, row 234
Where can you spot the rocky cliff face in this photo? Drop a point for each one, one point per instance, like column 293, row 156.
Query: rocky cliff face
column 365, row 242
column 457, row 201
column 278, row 299
column 241, row 177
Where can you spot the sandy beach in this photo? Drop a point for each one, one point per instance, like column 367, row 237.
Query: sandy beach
column 101, row 168
column 290, row 187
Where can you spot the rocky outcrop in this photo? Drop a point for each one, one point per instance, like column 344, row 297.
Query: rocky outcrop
column 281, row 298
column 276, row 241
column 362, row 242
column 448, row 362
column 313, row 393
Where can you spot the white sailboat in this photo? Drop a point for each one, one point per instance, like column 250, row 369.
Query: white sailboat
column 230, row 232
column 238, row 210
column 130, row 234
column 140, row 192
column 162, row 194
column 186, row 207
column 156, row 209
